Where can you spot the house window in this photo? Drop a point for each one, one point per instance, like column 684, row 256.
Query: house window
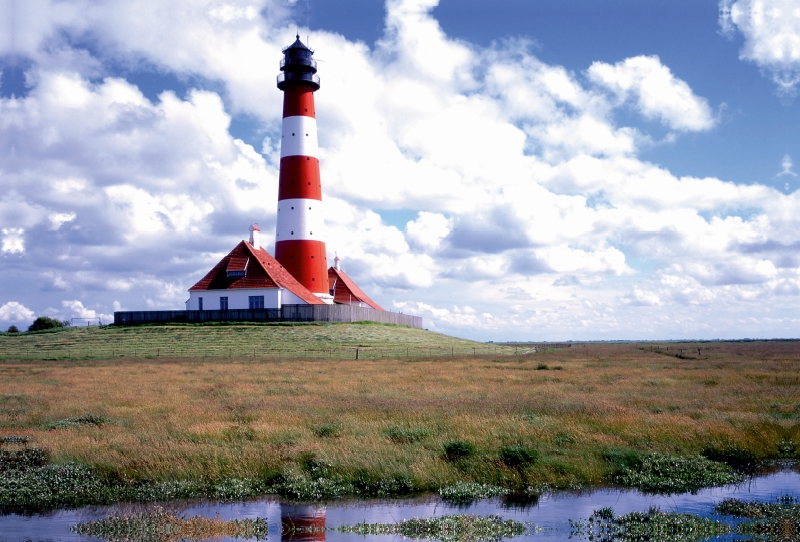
column 223, row 303
column 199, row 303
column 256, row 301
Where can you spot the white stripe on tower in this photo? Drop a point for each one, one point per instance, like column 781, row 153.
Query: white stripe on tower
column 299, row 137
column 299, row 219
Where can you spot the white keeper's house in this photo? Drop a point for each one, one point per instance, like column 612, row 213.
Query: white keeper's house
column 248, row 278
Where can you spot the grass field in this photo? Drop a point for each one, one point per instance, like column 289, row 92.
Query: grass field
column 319, row 340
column 572, row 416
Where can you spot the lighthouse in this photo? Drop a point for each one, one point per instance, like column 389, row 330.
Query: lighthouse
column 299, row 241
column 249, row 278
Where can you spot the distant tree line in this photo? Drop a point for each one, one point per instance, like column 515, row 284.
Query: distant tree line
column 40, row 324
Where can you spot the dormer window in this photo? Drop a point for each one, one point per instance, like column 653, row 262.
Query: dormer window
column 237, row 267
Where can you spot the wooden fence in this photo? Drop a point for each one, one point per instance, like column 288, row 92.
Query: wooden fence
column 287, row 313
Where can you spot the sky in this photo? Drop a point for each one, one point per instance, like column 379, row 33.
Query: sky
column 509, row 170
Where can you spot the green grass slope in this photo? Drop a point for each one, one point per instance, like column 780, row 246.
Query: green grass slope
column 317, row 340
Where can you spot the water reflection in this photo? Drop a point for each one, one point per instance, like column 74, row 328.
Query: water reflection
column 552, row 512
column 303, row 523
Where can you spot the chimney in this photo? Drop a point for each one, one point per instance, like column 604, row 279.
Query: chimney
column 336, row 261
column 255, row 236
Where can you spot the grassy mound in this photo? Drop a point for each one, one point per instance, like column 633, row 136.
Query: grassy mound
column 237, row 340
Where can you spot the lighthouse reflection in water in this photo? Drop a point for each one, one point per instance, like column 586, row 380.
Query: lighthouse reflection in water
column 302, row 522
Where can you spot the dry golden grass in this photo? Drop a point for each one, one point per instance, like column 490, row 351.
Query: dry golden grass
column 174, row 418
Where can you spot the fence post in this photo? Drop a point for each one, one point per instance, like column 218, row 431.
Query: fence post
column 356, row 353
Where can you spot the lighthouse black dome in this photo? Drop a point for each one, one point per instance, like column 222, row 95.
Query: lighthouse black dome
column 298, row 66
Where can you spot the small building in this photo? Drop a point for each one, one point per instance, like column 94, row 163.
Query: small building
column 248, row 278
column 345, row 291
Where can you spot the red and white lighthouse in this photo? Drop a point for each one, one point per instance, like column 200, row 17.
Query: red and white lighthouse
column 299, row 244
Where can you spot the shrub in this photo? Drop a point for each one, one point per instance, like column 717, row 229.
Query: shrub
column 404, row 435
column 458, row 449
column 624, row 459
column 68, row 423
column 518, row 455
column 45, row 322
column 12, row 329
column 327, row 430
column 738, row 458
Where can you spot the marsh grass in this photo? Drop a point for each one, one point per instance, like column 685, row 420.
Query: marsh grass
column 406, row 435
column 185, row 427
column 519, row 455
column 455, row 450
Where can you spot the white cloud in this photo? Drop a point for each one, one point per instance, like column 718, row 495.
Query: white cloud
column 771, row 30
column 656, row 92
column 13, row 311
column 787, row 164
column 642, row 297
column 533, row 212
column 13, row 240
column 428, row 230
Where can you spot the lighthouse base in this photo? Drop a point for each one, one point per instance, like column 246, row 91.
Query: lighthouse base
column 327, row 298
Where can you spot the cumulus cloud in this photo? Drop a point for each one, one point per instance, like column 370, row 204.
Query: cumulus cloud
column 13, row 240
column 771, row 30
column 13, row 311
column 656, row 93
column 528, row 207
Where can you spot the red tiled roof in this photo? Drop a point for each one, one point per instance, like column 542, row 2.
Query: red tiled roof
column 237, row 263
column 263, row 271
column 346, row 291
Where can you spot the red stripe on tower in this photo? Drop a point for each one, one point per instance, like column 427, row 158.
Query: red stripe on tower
column 299, row 244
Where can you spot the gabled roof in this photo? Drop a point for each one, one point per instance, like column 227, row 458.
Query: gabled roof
column 346, row 291
column 263, row 271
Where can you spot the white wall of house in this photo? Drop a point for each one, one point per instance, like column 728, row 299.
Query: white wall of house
column 240, row 298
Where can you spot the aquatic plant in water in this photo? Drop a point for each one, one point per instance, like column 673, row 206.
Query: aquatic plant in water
column 650, row 526
column 159, row 525
column 660, row 473
column 774, row 521
column 303, row 487
column 470, row 491
column 452, row 528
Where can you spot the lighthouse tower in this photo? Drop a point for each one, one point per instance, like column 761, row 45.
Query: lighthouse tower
column 299, row 245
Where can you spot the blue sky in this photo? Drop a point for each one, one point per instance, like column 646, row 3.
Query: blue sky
column 515, row 170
